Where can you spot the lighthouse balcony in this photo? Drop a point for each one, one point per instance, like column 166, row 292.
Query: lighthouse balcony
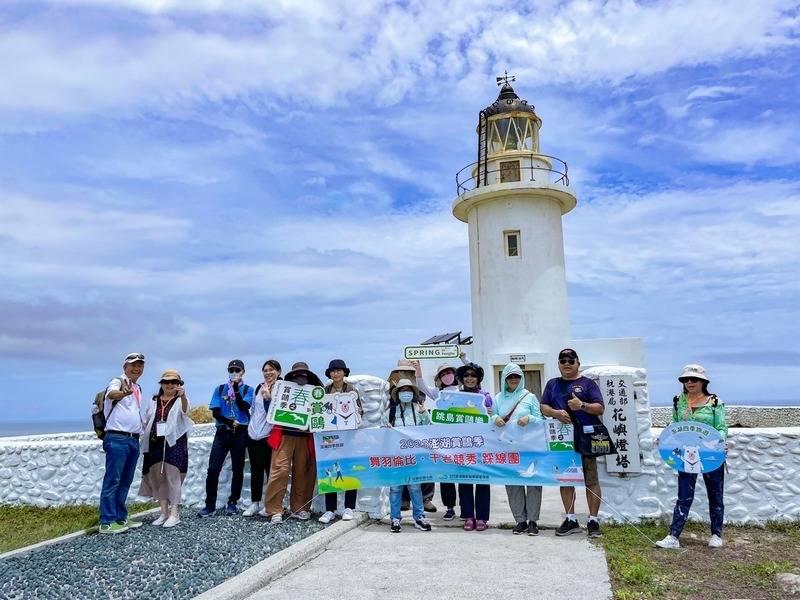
column 531, row 169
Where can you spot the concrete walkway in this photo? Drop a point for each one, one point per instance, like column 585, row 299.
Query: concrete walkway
column 370, row 561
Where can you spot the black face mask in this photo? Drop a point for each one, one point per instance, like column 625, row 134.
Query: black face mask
column 301, row 380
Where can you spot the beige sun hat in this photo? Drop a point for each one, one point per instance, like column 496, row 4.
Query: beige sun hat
column 401, row 384
column 171, row 375
column 442, row 367
column 403, row 366
column 696, row 371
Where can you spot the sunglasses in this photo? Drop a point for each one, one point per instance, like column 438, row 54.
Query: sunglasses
column 234, row 370
column 171, row 382
column 513, row 377
column 472, row 375
column 567, row 361
column 135, row 357
column 691, row 380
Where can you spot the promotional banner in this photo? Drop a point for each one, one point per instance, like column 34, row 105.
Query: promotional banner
column 291, row 404
column 453, row 407
column 691, row 447
column 468, row 453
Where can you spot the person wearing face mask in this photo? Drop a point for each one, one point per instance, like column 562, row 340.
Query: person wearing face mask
column 165, row 448
column 444, row 379
column 516, row 404
column 258, row 451
column 337, row 370
column 475, row 500
column 292, row 453
column 230, row 404
column 406, row 410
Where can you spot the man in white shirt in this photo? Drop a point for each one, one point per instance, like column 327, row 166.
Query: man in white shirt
column 123, row 411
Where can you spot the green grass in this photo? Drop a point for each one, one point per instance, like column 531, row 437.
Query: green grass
column 25, row 525
column 635, row 575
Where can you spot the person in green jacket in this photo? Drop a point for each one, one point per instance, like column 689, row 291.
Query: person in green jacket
column 514, row 402
column 695, row 403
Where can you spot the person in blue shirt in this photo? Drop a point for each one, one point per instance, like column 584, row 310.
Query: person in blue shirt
column 578, row 400
column 230, row 405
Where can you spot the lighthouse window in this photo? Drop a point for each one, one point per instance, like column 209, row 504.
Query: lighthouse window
column 512, row 243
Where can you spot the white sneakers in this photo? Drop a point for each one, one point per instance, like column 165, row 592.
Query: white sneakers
column 347, row 515
column 276, row 519
column 715, row 542
column 670, row 542
column 252, row 510
column 172, row 521
column 301, row 515
column 160, row 520
column 327, row 517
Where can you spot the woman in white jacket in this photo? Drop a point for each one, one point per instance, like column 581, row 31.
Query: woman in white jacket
column 165, row 446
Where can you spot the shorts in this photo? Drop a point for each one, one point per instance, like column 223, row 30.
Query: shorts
column 590, row 470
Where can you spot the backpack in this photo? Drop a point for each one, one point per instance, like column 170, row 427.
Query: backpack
column 98, row 414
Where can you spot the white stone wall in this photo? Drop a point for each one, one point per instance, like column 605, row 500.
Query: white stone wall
column 762, row 482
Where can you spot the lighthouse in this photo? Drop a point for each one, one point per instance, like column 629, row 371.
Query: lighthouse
column 513, row 198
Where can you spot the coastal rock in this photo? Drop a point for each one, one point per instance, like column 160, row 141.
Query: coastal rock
column 788, row 583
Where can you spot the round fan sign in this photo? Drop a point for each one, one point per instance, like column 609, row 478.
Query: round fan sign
column 691, row 447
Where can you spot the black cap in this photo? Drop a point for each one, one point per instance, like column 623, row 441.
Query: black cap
column 236, row 363
column 568, row 353
column 336, row 363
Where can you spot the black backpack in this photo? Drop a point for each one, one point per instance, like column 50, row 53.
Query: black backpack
column 98, row 414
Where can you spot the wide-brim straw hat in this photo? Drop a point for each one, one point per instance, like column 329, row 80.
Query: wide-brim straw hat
column 440, row 369
column 401, row 384
column 301, row 367
column 697, row 371
column 171, row 375
column 469, row 367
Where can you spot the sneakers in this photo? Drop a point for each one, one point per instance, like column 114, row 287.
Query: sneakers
column 469, row 525
column 113, row 528
column 231, row 509
column 160, row 520
column 327, row 517
column 520, row 528
column 347, row 515
column 263, row 513
column 533, row 529
column 429, row 506
column 481, row 525
column 252, row 510
column 670, row 543
column 593, row 528
column 567, row 527
column 172, row 521
column 715, row 541
column 395, row 525
column 301, row 515
column 131, row 524
column 206, row 512
column 449, row 514
column 406, row 505
column 422, row 523
column 276, row 519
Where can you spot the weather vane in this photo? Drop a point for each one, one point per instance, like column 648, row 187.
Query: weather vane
column 505, row 78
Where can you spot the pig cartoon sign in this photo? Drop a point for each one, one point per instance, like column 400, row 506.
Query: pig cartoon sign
column 691, row 447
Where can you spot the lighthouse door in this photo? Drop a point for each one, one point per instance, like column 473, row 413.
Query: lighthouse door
column 533, row 378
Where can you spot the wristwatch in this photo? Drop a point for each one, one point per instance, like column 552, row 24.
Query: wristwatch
column 583, row 405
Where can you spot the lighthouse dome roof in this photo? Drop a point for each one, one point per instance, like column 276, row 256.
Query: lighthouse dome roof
column 508, row 101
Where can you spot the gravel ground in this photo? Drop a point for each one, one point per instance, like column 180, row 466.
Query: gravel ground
column 149, row 562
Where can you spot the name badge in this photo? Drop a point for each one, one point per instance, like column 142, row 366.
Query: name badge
column 588, row 429
column 161, row 428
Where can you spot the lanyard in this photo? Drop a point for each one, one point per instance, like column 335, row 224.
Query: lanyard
column 137, row 394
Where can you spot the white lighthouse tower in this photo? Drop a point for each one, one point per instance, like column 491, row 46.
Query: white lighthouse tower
column 513, row 198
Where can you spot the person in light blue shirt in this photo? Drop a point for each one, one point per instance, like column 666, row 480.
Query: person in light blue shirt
column 517, row 405
column 230, row 404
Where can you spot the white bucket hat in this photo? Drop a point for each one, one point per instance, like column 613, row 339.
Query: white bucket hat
column 696, row 371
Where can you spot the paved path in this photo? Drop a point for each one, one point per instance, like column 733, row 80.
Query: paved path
column 369, row 562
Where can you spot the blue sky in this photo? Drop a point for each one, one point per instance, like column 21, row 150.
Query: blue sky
column 198, row 180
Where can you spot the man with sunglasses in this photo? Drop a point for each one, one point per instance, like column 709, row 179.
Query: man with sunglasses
column 230, row 405
column 578, row 400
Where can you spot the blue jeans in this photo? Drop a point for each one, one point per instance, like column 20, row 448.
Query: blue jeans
column 715, row 482
column 122, row 454
column 395, row 499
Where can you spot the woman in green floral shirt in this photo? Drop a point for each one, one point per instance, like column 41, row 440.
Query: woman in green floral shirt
column 697, row 404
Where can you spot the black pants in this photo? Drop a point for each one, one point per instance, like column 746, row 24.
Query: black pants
column 226, row 440
column 475, row 500
column 427, row 492
column 260, row 455
column 350, row 497
column 448, row 491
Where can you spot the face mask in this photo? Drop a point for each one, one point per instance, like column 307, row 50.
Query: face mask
column 405, row 396
column 448, row 378
column 235, row 376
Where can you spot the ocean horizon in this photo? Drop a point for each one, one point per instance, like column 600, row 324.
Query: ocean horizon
column 15, row 428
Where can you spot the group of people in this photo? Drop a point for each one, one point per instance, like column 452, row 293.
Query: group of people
column 159, row 428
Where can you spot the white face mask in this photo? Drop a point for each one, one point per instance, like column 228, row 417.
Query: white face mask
column 405, row 396
column 235, row 376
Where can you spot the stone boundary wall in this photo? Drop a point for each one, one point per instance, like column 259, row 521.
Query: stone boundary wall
column 762, row 481
column 742, row 416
